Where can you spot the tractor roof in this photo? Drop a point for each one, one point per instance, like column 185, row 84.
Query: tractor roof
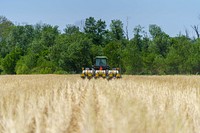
column 101, row 57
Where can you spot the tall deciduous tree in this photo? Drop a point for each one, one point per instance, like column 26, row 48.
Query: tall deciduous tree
column 49, row 34
column 20, row 36
column 193, row 61
column 10, row 61
column 117, row 32
column 113, row 51
column 138, row 36
column 96, row 30
column 178, row 55
column 132, row 59
column 71, row 29
column 5, row 28
column 161, row 41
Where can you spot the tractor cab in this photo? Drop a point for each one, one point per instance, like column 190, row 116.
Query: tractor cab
column 101, row 63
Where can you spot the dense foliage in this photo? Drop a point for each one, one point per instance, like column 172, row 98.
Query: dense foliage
column 42, row 48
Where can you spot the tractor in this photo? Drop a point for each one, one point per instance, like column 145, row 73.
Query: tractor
column 100, row 69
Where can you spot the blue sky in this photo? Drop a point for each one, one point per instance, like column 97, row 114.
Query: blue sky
column 173, row 16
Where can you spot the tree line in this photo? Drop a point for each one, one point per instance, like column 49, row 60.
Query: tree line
column 43, row 49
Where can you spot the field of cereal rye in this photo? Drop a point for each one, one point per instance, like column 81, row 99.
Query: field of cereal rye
column 69, row 104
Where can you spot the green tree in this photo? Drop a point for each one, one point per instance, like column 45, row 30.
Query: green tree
column 133, row 53
column 48, row 35
column 58, row 52
column 96, row 30
column 71, row 29
column 178, row 55
column 1, row 69
column 5, row 28
column 161, row 41
column 114, row 52
column 26, row 64
column 9, row 62
column 132, row 59
column 192, row 63
column 117, row 32
column 73, row 52
column 44, row 66
column 79, row 55
column 138, row 37
column 20, row 36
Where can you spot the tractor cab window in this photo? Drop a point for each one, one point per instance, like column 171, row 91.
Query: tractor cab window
column 100, row 62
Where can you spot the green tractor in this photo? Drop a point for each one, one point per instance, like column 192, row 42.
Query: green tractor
column 100, row 69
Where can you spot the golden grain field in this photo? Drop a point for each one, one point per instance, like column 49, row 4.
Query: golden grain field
column 68, row 104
